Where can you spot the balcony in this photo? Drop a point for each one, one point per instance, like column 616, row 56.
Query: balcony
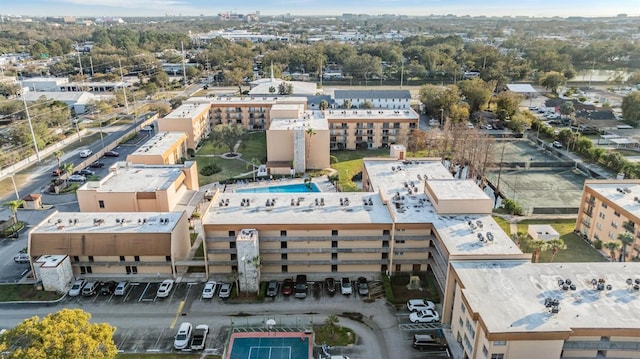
column 601, row 345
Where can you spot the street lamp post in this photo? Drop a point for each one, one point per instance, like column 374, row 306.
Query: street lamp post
column 13, row 180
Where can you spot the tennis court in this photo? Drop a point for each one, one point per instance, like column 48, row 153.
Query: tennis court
column 270, row 345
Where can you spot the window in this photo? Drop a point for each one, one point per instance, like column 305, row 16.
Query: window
column 334, row 244
column 232, row 233
column 467, row 343
column 485, row 351
column 334, row 256
column 385, row 255
column 386, row 232
column 384, row 268
column 385, row 244
column 601, row 215
column 283, row 256
column 90, row 258
column 232, row 245
column 463, row 309
column 334, row 232
column 136, row 258
column 497, row 356
column 616, row 213
column 101, row 203
column 399, row 241
column 234, row 268
column 599, row 226
column 614, row 224
column 167, row 258
column 234, row 256
column 461, row 322
column 470, row 329
column 285, row 268
column 122, row 259
column 283, row 233
column 76, row 259
column 283, row 245
column 398, row 267
column 611, row 235
column 334, row 268
column 604, row 205
column 499, row 342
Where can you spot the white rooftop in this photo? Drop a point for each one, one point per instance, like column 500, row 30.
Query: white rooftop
column 160, row 143
column 340, row 114
column 311, row 119
column 127, row 177
column 509, row 296
column 244, row 100
column 188, row 110
column 310, row 209
column 624, row 194
column 109, row 222
column 448, row 189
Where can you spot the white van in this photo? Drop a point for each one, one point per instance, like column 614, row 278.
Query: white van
column 85, row 153
column 183, row 337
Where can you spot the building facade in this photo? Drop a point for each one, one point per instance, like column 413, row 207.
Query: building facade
column 388, row 99
column 193, row 119
column 165, row 148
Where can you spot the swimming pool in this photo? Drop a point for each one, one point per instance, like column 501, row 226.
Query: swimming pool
column 289, row 188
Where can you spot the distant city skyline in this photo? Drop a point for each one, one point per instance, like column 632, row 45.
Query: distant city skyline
column 126, row 8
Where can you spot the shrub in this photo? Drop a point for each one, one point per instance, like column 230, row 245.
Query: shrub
column 191, row 152
column 210, row 170
column 512, row 207
column 333, row 159
column 597, row 244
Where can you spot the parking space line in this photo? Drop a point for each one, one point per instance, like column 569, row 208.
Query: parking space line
column 175, row 320
column 160, row 337
column 143, row 292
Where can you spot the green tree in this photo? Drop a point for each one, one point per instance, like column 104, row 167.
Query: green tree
column 366, row 105
column 555, row 245
column 509, row 102
column 435, row 97
column 58, row 155
column 519, row 238
column 347, row 104
column 228, row 135
column 567, row 109
column 68, row 169
column 285, row 88
column 612, row 246
column 160, row 78
column 310, row 133
column 626, row 239
column 634, row 78
column 324, row 105
column 13, row 207
column 631, row 108
column 476, row 92
column 552, row 80
column 67, row 334
column 536, row 248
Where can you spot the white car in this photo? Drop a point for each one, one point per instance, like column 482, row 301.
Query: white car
column 183, row 337
column 77, row 178
column 557, row 144
column 225, row 291
column 345, row 286
column 415, row 305
column 209, row 290
column 424, row 316
column 85, row 153
column 165, row 288
column 76, row 288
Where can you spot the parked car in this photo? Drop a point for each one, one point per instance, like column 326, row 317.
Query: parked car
column 111, row 154
column 557, row 144
column 108, row 288
column 345, row 286
column 77, row 178
column 85, row 153
column 165, row 288
column 121, row 288
column 183, row 337
column 21, row 258
column 424, row 316
column 86, row 172
column 76, row 288
column 415, row 305
column 301, row 286
column 287, row 286
column 96, row 165
column 225, row 291
column 90, row 288
column 199, row 337
column 429, row 342
column 363, row 286
column 330, row 285
column 272, row 288
column 209, row 289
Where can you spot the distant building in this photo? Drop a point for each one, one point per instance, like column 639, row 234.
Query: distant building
column 391, row 99
column 77, row 101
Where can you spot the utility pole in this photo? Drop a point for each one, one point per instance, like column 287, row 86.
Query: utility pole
column 402, row 72
column 124, row 88
column 91, row 63
column 33, row 135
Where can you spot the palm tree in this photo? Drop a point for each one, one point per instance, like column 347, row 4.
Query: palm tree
column 253, row 164
column 331, row 322
column 625, row 239
column 612, row 246
column 536, row 247
column 13, row 207
column 519, row 238
column 556, row 245
column 58, row 155
column 68, row 169
column 310, row 133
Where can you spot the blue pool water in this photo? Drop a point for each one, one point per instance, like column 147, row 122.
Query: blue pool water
column 289, row 188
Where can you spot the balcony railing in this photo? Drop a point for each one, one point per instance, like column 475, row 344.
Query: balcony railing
column 601, row 345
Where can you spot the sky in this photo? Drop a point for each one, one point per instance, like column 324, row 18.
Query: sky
column 123, row 8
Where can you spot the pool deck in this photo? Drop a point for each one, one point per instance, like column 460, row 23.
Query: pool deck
column 323, row 184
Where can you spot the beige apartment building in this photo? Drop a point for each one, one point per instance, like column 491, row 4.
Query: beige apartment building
column 140, row 188
column 191, row 118
column 165, row 148
column 377, row 128
column 117, row 244
column 609, row 208
column 297, row 140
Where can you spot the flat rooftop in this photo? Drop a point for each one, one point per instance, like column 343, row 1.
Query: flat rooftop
column 109, row 222
column 246, row 100
column 160, row 143
column 336, row 115
column 624, row 194
column 452, row 189
column 510, row 295
column 126, row 177
column 188, row 110
column 311, row 119
column 307, row 208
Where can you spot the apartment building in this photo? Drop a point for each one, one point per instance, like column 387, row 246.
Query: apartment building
column 354, row 129
column 609, row 208
column 140, row 188
column 389, row 99
column 191, row 118
column 114, row 243
column 165, row 148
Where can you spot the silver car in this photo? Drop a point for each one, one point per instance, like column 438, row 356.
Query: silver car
column 76, row 288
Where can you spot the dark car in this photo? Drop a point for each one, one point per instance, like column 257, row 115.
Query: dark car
column 272, row 288
column 96, row 165
column 111, row 154
column 301, row 286
column 108, row 288
column 330, row 285
column 287, row 286
column 86, row 172
column 363, row 286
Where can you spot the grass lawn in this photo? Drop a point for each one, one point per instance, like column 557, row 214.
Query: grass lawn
column 166, row 356
column 504, row 224
column 334, row 335
column 577, row 249
column 254, row 146
column 24, row 292
column 350, row 163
